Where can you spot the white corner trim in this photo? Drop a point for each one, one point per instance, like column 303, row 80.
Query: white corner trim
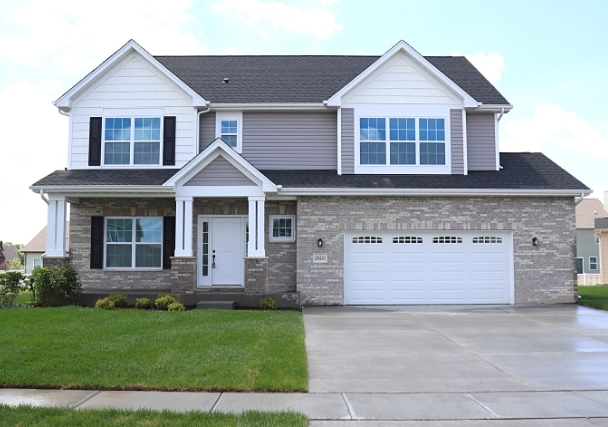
column 339, row 132
column 465, row 143
column 401, row 46
column 64, row 103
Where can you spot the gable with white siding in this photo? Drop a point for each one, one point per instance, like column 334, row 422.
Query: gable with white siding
column 132, row 84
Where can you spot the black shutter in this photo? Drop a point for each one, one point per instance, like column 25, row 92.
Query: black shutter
column 168, row 241
column 169, row 141
column 95, row 141
column 96, row 242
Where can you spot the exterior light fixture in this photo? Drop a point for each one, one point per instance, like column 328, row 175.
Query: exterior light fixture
column 534, row 241
column 320, row 243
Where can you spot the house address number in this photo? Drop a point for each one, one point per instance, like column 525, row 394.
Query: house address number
column 319, row 257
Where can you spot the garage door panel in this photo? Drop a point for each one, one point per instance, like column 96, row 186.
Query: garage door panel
column 462, row 267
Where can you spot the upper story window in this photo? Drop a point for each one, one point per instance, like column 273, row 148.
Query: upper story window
column 229, row 127
column 132, row 140
column 409, row 141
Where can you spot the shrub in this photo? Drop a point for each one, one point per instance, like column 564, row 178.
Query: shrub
column 268, row 304
column 163, row 301
column 176, row 306
column 119, row 300
column 11, row 283
column 56, row 286
column 105, row 304
column 15, row 264
column 143, row 303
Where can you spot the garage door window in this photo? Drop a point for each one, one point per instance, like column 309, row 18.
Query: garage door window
column 447, row 239
column 487, row 239
column 367, row 239
column 407, row 239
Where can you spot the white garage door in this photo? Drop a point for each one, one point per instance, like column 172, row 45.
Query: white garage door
column 440, row 267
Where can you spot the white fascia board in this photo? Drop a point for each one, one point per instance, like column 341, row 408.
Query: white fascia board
column 427, row 192
column 269, row 106
column 99, row 189
column 402, row 46
column 216, row 148
column 495, row 108
column 64, row 103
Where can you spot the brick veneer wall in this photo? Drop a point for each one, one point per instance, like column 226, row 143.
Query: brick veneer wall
column 256, row 275
column 543, row 274
column 80, row 242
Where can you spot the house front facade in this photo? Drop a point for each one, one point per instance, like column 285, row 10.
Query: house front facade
column 346, row 179
column 587, row 243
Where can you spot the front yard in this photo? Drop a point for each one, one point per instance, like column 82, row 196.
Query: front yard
column 594, row 296
column 211, row 350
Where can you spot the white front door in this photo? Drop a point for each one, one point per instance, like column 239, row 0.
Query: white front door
column 221, row 260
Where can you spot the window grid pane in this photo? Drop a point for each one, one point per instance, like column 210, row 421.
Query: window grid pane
column 146, row 153
column 281, row 227
column 147, row 129
column 148, row 255
column 117, row 153
column 402, row 129
column 372, row 153
column 231, row 140
column 372, row 129
column 432, row 130
column 118, row 129
column 119, row 230
column 432, row 153
column 118, row 256
column 403, row 153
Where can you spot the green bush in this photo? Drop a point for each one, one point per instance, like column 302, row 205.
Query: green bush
column 163, row 301
column 176, row 306
column 105, row 304
column 119, row 300
column 15, row 264
column 11, row 283
column 143, row 303
column 56, row 286
column 268, row 304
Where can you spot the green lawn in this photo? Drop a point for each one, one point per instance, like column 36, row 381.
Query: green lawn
column 212, row 350
column 25, row 416
column 594, row 296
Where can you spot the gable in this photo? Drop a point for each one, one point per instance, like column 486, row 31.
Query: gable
column 400, row 81
column 219, row 172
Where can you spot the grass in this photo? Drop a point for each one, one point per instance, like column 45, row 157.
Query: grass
column 594, row 296
column 23, row 298
column 205, row 350
column 25, row 416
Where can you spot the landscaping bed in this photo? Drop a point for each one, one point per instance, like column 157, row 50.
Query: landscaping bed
column 206, row 350
column 594, row 296
column 66, row 417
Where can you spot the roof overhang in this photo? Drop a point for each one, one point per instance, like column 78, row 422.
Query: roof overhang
column 428, row 192
column 64, row 103
column 402, row 46
column 97, row 190
column 268, row 106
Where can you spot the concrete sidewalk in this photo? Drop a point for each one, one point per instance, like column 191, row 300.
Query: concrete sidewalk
column 362, row 409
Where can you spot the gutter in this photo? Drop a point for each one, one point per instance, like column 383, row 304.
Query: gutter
column 426, row 192
column 581, row 199
column 197, row 131
column 42, row 196
column 98, row 189
column 272, row 106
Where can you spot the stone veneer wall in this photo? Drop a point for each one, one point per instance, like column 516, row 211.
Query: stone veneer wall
column 543, row 274
column 80, row 242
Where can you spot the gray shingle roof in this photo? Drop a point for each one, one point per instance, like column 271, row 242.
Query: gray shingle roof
column 521, row 171
column 305, row 78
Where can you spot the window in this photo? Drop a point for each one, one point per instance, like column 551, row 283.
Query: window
column 409, row 141
column 132, row 140
column 487, row 239
column 407, row 239
column 282, row 228
column 37, row 262
column 447, row 239
column 133, row 242
column 592, row 263
column 229, row 127
column 597, row 240
column 367, row 239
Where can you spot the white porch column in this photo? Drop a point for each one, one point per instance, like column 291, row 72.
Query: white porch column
column 183, row 226
column 255, row 247
column 55, row 232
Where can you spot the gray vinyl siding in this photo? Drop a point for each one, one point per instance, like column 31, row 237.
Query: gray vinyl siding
column 456, row 139
column 481, row 142
column 206, row 131
column 219, row 172
column 348, row 141
column 298, row 140
column 586, row 248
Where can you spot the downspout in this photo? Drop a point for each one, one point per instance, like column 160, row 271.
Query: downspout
column 198, row 127
column 580, row 200
column 69, row 116
column 42, row 196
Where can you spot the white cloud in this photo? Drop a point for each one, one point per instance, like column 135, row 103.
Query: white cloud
column 553, row 127
column 71, row 35
column 318, row 21
column 491, row 65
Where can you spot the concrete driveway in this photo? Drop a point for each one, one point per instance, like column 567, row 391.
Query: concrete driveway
column 454, row 362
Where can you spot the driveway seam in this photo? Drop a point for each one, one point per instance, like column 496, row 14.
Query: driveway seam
column 349, row 407
column 216, row 402
column 491, row 412
column 86, row 399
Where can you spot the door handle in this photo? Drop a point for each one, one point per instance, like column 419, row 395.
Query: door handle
column 213, row 260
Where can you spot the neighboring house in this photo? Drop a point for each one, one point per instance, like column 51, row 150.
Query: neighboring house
column 7, row 254
column 36, row 247
column 348, row 179
column 601, row 231
column 587, row 243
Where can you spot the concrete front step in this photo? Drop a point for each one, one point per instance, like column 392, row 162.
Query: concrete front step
column 218, row 305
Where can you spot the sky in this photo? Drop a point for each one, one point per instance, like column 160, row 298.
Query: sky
column 548, row 58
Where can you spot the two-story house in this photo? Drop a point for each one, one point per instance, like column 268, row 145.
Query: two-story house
column 348, row 179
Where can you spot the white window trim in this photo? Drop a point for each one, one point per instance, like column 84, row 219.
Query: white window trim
column 133, row 245
column 233, row 115
column 271, row 238
column 596, row 263
column 112, row 113
column 403, row 169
